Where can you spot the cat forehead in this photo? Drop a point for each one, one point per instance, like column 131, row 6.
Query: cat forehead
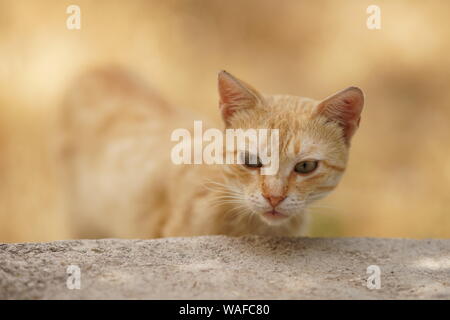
column 300, row 132
column 288, row 103
column 303, row 146
column 313, row 138
column 304, row 142
column 287, row 113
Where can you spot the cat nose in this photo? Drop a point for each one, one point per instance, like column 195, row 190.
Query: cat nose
column 274, row 200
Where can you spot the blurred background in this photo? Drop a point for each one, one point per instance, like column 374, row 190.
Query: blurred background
column 398, row 178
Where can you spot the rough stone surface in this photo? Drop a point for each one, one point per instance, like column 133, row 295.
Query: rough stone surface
column 219, row 267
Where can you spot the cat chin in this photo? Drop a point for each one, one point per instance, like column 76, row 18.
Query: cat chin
column 274, row 217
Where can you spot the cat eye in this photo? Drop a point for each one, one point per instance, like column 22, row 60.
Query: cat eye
column 251, row 161
column 305, row 167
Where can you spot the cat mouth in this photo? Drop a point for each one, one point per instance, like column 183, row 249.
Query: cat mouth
column 274, row 215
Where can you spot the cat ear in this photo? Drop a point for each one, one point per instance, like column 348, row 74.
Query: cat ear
column 235, row 95
column 345, row 109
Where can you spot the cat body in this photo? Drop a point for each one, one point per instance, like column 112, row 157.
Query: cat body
column 122, row 182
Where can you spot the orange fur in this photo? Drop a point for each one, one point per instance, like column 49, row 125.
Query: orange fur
column 122, row 183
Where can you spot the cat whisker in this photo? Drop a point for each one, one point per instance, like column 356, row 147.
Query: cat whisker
column 215, row 183
column 215, row 204
column 229, row 196
column 217, row 186
column 238, row 210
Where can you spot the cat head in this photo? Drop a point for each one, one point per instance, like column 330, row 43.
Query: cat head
column 314, row 141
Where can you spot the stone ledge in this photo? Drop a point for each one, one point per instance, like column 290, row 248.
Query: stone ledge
column 219, row 267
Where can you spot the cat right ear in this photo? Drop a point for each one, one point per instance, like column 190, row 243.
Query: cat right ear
column 344, row 108
column 235, row 95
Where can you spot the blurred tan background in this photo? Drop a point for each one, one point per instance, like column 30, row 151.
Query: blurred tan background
column 398, row 181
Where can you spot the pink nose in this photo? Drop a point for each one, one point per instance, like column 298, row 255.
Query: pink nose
column 274, row 200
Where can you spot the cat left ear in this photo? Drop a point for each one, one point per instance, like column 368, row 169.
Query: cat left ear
column 235, row 95
column 344, row 108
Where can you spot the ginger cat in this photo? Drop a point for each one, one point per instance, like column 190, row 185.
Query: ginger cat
column 121, row 181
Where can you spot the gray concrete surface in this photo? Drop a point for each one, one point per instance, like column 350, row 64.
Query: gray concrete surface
column 219, row 267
